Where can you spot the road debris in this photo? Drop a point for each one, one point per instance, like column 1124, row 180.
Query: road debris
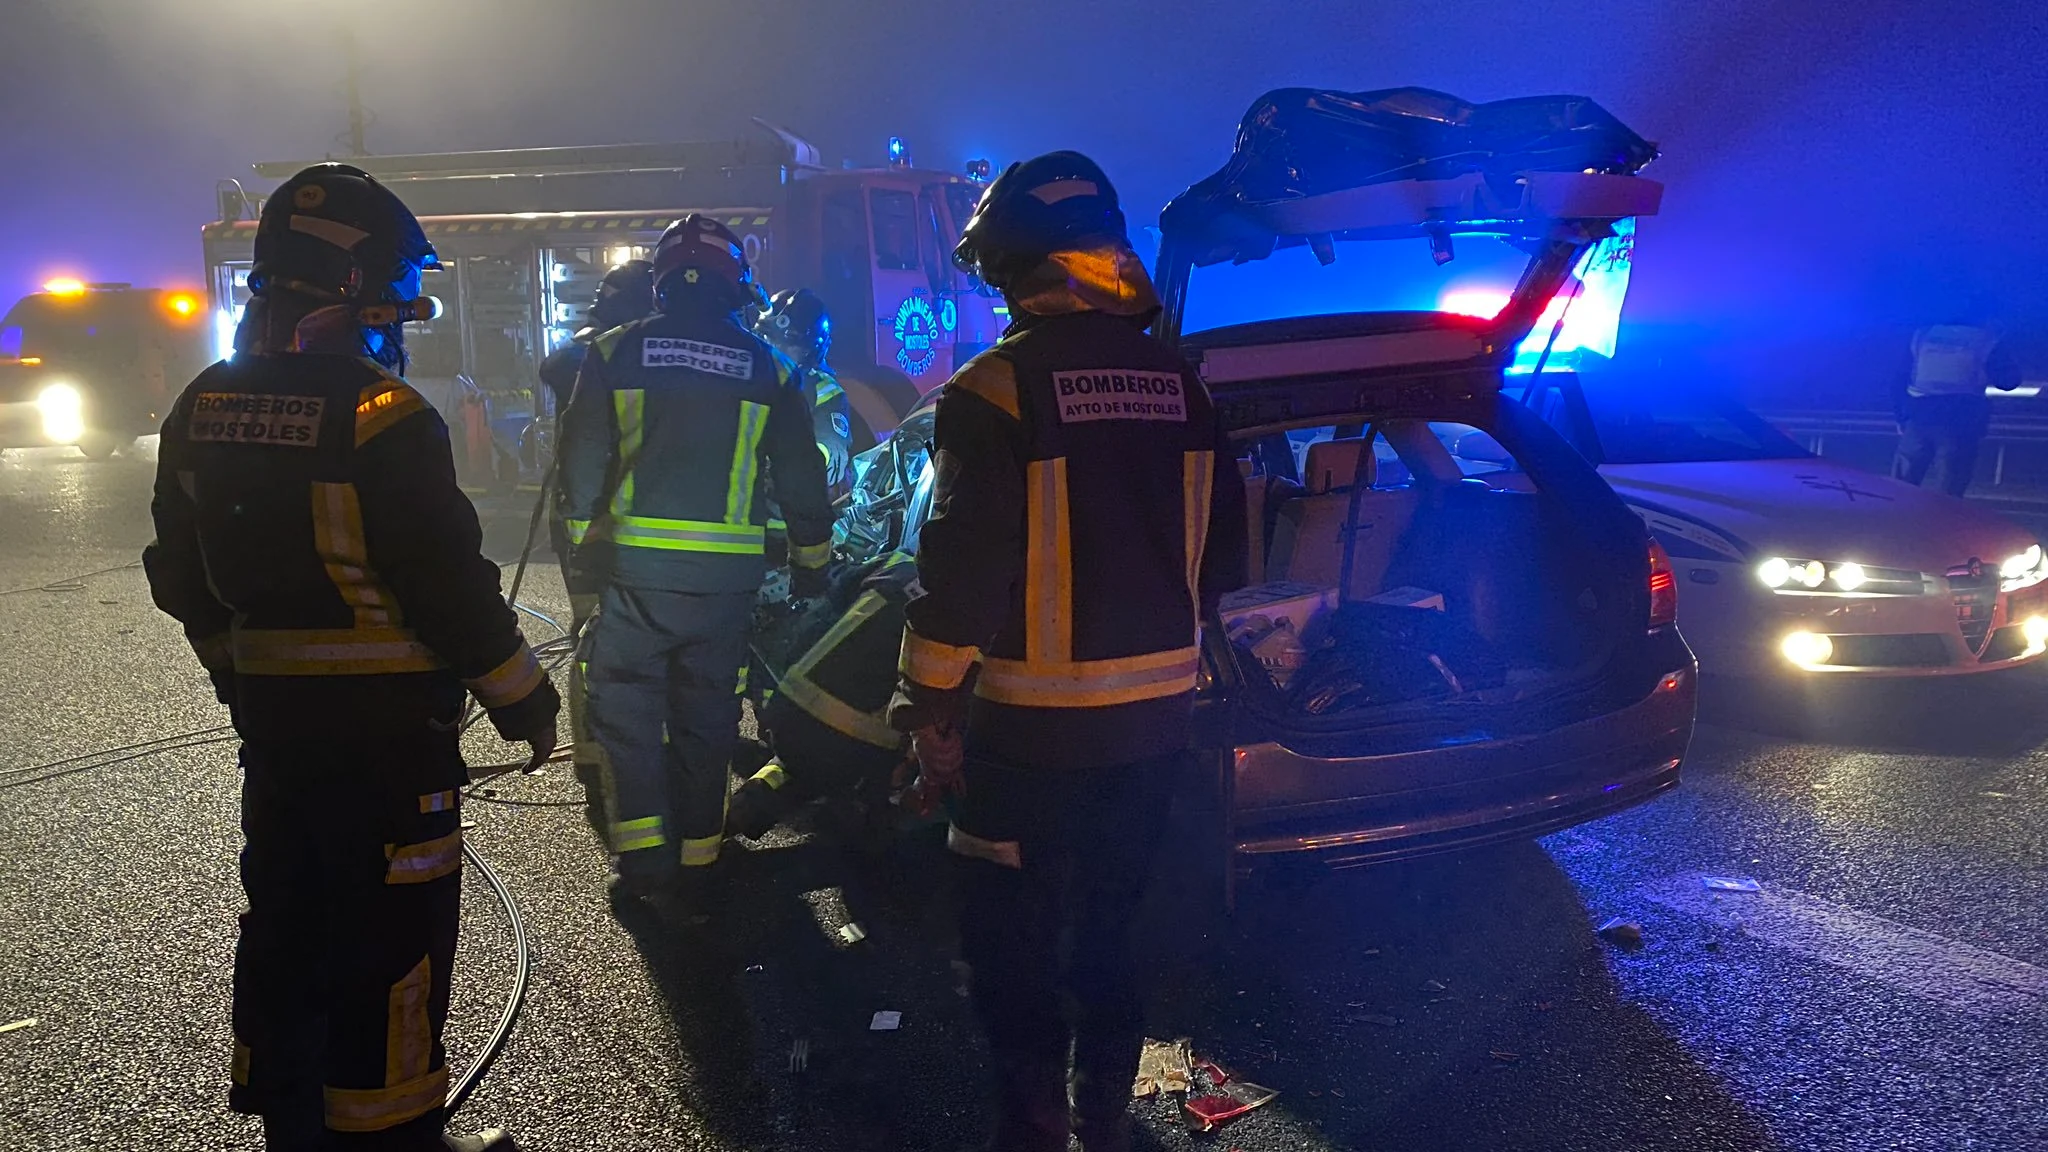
column 799, row 1056
column 1380, row 1019
column 1434, row 986
column 1229, row 1101
column 1623, row 933
column 18, row 1025
column 1164, row 1066
column 963, row 977
column 1370, row 952
column 853, row 933
column 1505, row 1057
column 1730, row 884
column 886, row 1022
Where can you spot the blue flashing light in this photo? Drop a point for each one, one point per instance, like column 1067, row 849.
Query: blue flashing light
column 899, row 152
column 1588, row 319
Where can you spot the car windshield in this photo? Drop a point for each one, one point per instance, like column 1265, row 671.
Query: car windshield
column 1367, row 276
column 1648, row 424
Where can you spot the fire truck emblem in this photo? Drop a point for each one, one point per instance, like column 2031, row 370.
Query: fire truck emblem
column 917, row 333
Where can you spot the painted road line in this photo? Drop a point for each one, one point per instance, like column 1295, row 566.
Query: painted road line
column 1963, row 976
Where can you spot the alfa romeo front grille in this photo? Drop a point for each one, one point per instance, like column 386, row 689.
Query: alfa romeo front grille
column 1976, row 593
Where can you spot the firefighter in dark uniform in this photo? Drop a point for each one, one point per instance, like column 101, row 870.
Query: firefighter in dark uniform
column 827, row 718
column 664, row 453
column 1087, row 513
column 327, row 570
column 799, row 327
column 625, row 294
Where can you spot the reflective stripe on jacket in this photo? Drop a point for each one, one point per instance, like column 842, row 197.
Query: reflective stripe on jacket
column 845, row 679
column 309, row 529
column 1086, row 508
column 666, row 449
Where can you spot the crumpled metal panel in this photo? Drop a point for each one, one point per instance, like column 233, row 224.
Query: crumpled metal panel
column 1300, row 142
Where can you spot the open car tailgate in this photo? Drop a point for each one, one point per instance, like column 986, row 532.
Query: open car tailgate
column 1552, row 174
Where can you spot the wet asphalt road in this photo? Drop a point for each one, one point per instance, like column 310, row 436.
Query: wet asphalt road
column 1885, row 989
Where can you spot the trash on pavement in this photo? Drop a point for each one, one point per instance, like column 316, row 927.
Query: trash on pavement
column 1228, row 1102
column 1434, row 986
column 886, row 1022
column 18, row 1025
column 799, row 1056
column 1505, row 1057
column 1380, row 1019
column 1164, row 1066
column 1730, row 884
column 963, row 978
column 1625, row 933
column 853, row 933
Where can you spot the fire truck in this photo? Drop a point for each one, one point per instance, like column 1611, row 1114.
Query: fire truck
column 524, row 235
column 95, row 365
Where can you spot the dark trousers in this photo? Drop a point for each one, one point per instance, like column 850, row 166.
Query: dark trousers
column 352, row 867
column 1938, row 441
column 662, row 668
column 1043, row 851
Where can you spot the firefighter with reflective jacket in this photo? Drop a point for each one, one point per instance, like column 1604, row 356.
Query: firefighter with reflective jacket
column 826, row 719
column 663, row 457
column 327, row 570
column 799, row 327
column 625, row 294
column 1087, row 514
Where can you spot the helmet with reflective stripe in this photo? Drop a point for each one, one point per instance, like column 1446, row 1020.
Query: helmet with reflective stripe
column 334, row 233
column 797, row 323
column 699, row 255
column 624, row 295
column 1053, row 203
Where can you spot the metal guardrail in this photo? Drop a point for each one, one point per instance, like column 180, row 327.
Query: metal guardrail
column 2014, row 459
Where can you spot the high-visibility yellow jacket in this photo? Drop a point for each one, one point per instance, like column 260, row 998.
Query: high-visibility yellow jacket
column 666, row 448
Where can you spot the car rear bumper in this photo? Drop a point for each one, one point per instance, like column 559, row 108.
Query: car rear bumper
column 1385, row 807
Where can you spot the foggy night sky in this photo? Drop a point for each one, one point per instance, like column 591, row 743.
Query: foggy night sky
column 1835, row 170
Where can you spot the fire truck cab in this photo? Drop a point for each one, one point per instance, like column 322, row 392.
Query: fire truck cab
column 524, row 235
column 95, row 365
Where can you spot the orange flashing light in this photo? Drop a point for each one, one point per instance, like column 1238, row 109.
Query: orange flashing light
column 182, row 304
column 31, row 361
column 65, row 286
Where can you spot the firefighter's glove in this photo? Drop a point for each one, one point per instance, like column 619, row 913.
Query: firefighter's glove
column 940, row 753
column 807, row 583
column 531, row 722
column 836, row 461
column 542, row 743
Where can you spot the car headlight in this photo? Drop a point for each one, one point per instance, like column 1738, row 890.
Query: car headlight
column 2023, row 570
column 63, row 410
column 1794, row 575
column 1784, row 572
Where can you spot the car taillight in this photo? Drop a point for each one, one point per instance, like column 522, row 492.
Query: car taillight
column 1663, row 588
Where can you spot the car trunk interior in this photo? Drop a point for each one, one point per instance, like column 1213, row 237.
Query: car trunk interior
column 1411, row 569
